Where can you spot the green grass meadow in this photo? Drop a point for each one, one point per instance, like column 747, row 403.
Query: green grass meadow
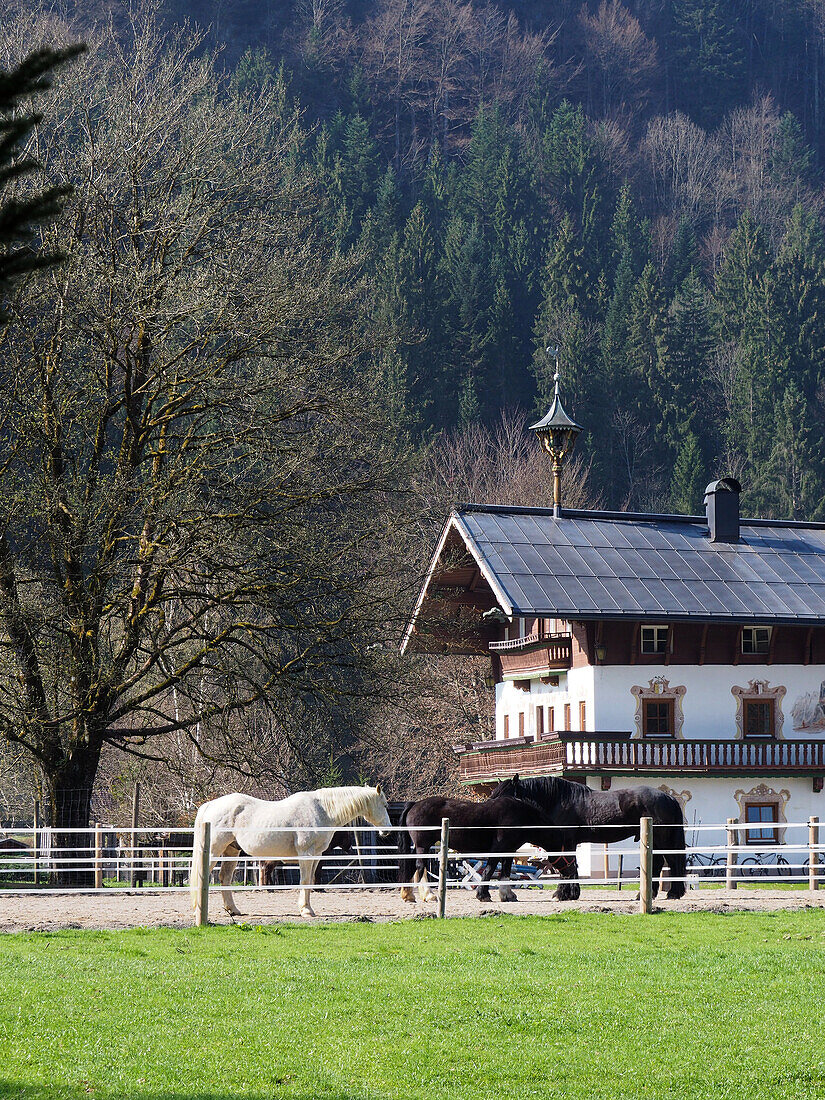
column 674, row 1005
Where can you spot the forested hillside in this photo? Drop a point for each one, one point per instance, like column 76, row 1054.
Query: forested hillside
column 637, row 183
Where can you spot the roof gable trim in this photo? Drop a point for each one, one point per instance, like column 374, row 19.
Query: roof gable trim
column 454, row 523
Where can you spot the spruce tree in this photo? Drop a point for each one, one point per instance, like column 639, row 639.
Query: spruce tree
column 790, row 483
column 628, row 236
column 681, row 389
column 22, row 204
column 708, row 59
column 746, row 260
column 683, row 256
column 799, row 271
column 464, row 273
column 689, row 477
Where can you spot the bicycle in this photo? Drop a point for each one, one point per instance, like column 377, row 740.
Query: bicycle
column 766, row 863
column 707, row 866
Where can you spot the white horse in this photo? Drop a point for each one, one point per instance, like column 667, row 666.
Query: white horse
column 299, row 827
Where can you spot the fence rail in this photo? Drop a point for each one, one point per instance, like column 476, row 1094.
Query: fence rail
column 377, row 863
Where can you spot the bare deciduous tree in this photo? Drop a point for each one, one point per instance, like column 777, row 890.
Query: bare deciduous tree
column 443, row 700
column 189, row 471
column 684, row 163
column 625, row 57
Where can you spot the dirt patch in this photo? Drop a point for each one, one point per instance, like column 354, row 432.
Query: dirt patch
column 121, row 909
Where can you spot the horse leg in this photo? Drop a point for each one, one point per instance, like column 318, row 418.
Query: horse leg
column 658, row 868
column 676, row 862
column 225, row 875
column 408, row 892
column 420, row 876
column 307, row 867
column 568, row 891
column 506, row 893
column 404, row 850
column 483, row 888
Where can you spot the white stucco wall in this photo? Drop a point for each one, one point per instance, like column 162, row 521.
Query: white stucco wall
column 709, row 707
column 575, row 686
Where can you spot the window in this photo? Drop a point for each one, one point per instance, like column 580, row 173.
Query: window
column 506, row 725
column 765, row 813
column 654, row 639
column 521, row 724
column 756, row 639
column 582, row 717
column 539, row 721
column 758, row 717
column 657, row 717
column 551, row 720
column 567, row 716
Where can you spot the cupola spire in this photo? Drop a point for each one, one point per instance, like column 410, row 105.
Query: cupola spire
column 557, row 434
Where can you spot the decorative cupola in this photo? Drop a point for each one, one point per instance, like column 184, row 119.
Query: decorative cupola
column 557, row 433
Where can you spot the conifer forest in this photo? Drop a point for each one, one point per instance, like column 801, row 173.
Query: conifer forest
column 638, row 184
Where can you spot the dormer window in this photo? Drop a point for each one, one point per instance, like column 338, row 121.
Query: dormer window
column 756, row 639
column 654, row 639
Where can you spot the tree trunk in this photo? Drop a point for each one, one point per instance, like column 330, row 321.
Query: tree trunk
column 70, row 799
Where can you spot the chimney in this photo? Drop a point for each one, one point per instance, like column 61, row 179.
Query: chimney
column 722, row 503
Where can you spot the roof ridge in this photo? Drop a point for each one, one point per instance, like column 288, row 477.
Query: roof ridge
column 624, row 517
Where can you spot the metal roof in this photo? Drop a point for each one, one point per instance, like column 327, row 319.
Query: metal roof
column 610, row 565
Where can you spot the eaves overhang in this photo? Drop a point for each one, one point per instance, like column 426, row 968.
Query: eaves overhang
column 455, row 523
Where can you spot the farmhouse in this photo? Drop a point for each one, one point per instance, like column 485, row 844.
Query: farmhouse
column 683, row 652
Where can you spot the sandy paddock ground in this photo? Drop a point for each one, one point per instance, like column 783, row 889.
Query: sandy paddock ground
column 120, row 909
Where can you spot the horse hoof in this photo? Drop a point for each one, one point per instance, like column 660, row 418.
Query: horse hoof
column 306, row 912
column 568, row 892
column 507, row 897
column 430, row 897
column 408, row 895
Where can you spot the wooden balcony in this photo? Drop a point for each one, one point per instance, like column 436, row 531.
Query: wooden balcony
column 534, row 655
column 578, row 754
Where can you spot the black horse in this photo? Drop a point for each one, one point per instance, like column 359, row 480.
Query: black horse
column 496, row 826
column 567, row 804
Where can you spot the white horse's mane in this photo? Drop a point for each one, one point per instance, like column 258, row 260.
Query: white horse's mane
column 347, row 803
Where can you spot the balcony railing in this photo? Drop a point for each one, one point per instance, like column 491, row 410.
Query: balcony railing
column 536, row 638
column 617, row 754
column 534, row 654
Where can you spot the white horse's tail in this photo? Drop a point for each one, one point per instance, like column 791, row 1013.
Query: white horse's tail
column 197, row 860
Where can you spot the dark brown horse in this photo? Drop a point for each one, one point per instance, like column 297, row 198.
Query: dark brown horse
column 499, row 827
column 272, row 870
column 604, row 817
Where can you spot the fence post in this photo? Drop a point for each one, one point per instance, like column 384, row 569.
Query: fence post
column 442, row 866
column 133, row 875
column 813, row 853
column 36, row 864
column 646, row 865
column 619, row 872
column 731, row 842
column 202, row 873
column 98, row 856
